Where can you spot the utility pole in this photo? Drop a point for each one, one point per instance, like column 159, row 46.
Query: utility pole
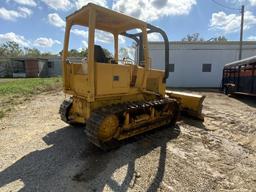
column 241, row 33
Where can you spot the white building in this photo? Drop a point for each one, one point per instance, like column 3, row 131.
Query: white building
column 198, row 64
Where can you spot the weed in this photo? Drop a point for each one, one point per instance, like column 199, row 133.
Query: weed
column 14, row 91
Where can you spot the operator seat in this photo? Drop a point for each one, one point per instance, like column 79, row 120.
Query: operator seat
column 100, row 57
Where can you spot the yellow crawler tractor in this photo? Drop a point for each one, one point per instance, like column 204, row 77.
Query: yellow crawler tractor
column 118, row 99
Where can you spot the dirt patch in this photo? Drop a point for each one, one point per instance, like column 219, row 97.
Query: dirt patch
column 38, row 152
column 15, row 91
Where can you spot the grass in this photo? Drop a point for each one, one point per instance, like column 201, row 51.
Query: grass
column 21, row 87
column 16, row 91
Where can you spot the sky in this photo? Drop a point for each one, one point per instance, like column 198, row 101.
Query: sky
column 41, row 23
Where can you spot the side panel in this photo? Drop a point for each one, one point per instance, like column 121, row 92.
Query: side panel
column 32, row 68
column 254, row 85
column 80, row 85
column 139, row 77
column 243, row 78
column 78, row 79
column 246, row 81
column 155, row 81
column 112, row 79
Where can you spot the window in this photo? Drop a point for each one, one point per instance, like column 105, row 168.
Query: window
column 77, row 46
column 207, row 68
column 50, row 64
column 18, row 66
column 171, row 67
column 130, row 50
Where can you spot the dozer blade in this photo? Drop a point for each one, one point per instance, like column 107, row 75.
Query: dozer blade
column 191, row 104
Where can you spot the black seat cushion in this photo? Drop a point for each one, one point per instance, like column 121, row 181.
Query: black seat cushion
column 99, row 55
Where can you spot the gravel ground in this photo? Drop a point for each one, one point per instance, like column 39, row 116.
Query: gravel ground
column 39, row 152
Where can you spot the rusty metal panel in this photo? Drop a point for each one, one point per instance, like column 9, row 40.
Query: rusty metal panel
column 31, row 66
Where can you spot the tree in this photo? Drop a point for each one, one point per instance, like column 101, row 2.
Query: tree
column 192, row 38
column 123, row 53
column 31, row 52
column 73, row 53
column 84, row 52
column 2, row 50
column 219, row 39
column 76, row 53
column 46, row 54
column 11, row 49
column 195, row 38
column 108, row 54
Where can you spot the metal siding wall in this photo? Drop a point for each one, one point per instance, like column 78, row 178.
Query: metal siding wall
column 43, row 68
column 188, row 60
column 57, row 71
column 31, row 67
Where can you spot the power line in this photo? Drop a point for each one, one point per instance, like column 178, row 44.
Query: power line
column 241, row 26
column 226, row 7
column 232, row 19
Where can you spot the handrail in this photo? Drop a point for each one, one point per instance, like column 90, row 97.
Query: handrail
column 153, row 29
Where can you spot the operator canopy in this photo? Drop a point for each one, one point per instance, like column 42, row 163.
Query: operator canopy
column 118, row 23
column 106, row 20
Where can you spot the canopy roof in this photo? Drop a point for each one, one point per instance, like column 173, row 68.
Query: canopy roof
column 118, row 23
column 247, row 61
column 106, row 20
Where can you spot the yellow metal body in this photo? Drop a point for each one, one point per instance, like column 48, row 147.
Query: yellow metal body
column 94, row 84
column 108, row 91
column 191, row 104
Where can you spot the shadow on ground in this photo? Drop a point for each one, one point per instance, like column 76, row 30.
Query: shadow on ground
column 35, row 168
column 69, row 145
column 246, row 99
column 194, row 122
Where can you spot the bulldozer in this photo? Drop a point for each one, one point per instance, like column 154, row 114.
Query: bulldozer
column 117, row 99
